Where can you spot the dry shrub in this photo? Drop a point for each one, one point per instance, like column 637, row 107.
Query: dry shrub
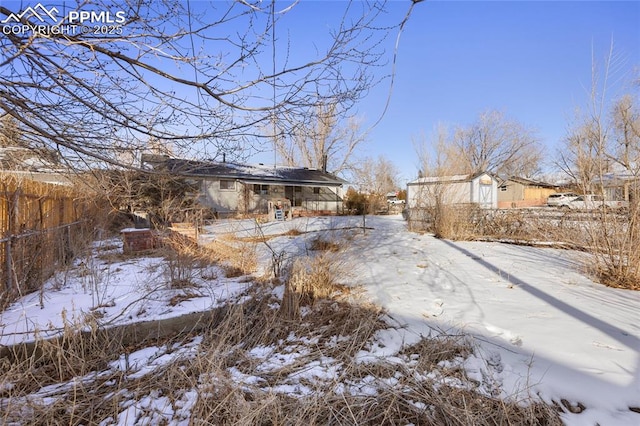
column 454, row 221
column 506, row 223
column 57, row 360
column 182, row 257
column 74, row 379
column 310, row 279
column 526, row 225
column 293, row 232
column 237, row 258
column 322, row 244
column 614, row 242
column 433, row 351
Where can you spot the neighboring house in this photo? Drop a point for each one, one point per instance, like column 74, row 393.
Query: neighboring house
column 620, row 185
column 231, row 189
column 37, row 165
column 521, row 192
column 480, row 189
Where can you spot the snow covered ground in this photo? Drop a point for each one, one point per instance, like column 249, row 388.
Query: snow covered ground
column 557, row 333
column 541, row 325
column 114, row 290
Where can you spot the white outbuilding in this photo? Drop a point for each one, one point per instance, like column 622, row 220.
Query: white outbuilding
column 479, row 189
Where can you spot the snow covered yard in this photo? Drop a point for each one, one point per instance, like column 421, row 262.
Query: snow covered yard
column 540, row 327
column 556, row 333
column 113, row 289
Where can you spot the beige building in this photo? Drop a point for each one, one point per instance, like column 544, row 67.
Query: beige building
column 520, row 192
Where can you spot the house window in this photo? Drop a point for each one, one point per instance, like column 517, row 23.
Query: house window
column 227, row 185
column 503, row 188
column 261, row 189
column 316, row 189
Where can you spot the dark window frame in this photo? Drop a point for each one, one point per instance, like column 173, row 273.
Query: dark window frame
column 229, row 185
column 261, row 189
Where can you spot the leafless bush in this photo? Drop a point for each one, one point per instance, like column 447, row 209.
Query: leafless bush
column 311, row 279
column 183, row 258
column 614, row 243
column 455, row 222
column 237, row 258
column 323, row 244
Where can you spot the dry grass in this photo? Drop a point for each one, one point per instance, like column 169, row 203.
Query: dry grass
column 454, row 222
column 359, row 393
column 310, row 279
column 322, row 244
column 237, row 258
column 226, row 381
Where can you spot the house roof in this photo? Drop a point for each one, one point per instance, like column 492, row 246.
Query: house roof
column 29, row 159
column 258, row 174
column 528, row 182
column 449, row 179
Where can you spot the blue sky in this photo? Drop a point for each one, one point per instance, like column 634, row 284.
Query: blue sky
column 530, row 60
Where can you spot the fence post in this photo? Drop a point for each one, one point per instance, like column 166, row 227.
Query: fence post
column 13, row 226
column 8, row 264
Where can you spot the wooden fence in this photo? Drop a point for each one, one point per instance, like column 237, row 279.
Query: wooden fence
column 38, row 225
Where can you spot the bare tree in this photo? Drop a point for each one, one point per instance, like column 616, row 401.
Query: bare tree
column 10, row 135
column 497, row 144
column 203, row 78
column 378, row 176
column 437, row 156
column 583, row 155
column 327, row 140
column 15, row 152
column 493, row 143
column 602, row 143
column 626, row 132
column 605, row 136
column 375, row 179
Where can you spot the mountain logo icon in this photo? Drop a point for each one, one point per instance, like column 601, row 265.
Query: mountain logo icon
column 37, row 12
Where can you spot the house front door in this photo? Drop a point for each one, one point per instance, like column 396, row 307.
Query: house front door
column 293, row 194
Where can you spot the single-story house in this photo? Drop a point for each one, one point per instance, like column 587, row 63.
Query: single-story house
column 480, row 189
column 30, row 164
column 520, row 192
column 622, row 185
column 231, row 189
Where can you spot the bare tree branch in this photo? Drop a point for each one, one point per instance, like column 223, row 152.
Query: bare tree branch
column 199, row 77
